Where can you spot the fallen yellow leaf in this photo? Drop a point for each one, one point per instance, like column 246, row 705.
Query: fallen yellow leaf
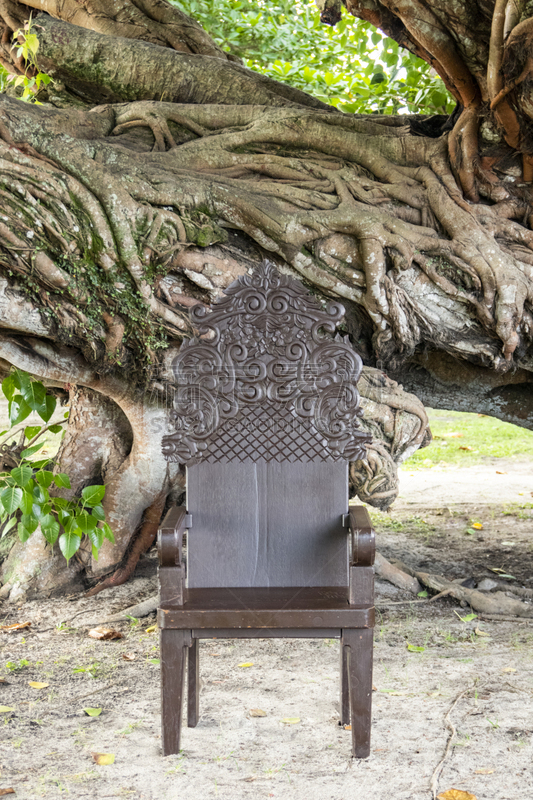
column 478, row 526
column 500, row 473
column 509, row 669
column 5, row 709
column 456, row 794
column 151, row 629
column 246, row 664
column 257, row 712
column 479, row 632
column 484, row 771
column 103, row 759
column 37, row 685
column 291, row 720
column 347, row 727
column 105, row 633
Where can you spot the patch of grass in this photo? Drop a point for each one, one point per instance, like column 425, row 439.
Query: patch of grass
column 413, row 524
column 463, row 439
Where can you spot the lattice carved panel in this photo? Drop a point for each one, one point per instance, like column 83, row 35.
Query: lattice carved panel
column 267, row 378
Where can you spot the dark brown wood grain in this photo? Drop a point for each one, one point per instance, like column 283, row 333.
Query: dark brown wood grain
column 273, row 550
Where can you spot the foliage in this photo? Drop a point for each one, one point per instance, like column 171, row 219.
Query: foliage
column 25, row 497
column 465, row 439
column 352, row 66
column 28, row 50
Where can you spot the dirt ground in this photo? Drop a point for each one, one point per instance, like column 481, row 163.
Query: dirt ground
column 480, row 669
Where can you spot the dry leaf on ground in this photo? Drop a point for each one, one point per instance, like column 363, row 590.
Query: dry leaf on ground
column 129, row 656
column 17, row 626
column 105, row 633
column 37, row 685
column 347, row 727
column 5, row 709
column 484, row 771
column 103, row 759
column 509, row 669
column 291, row 720
column 456, row 794
column 500, row 473
column 6, row 791
column 257, row 712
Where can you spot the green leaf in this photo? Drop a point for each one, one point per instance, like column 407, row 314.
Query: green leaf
column 93, row 495
column 96, row 537
column 98, row 513
column 61, row 502
column 93, row 712
column 22, row 475
column 69, row 544
column 9, row 386
column 42, row 462
column 31, row 431
column 29, row 451
column 30, row 522
column 23, row 533
column 56, row 428
column 85, row 521
column 34, row 394
column 26, row 505
column 62, row 480
column 50, row 528
column 44, row 478
column 423, row 593
column 18, row 410
column 414, row 649
column 48, row 408
column 10, row 498
column 468, row 618
column 8, row 525
column 108, row 533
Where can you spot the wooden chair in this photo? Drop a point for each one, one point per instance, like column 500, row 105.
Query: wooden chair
column 266, row 419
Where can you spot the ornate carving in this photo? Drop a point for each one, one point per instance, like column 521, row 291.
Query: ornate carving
column 266, row 379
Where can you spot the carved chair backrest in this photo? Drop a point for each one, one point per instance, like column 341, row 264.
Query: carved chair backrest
column 266, row 418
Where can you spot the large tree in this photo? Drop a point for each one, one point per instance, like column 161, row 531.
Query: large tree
column 156, row 169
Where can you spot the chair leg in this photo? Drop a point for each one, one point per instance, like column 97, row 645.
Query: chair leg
column 173, row 646
column 345, row 687
column 193, row 689
column 359, row 643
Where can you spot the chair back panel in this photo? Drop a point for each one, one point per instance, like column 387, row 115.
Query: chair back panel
column 267, row 524
column 266, row 420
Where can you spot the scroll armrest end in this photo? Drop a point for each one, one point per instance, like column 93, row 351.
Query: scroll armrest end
column 363, row 537
column 170, row 536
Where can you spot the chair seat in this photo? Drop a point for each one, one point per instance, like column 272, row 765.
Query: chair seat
column 273, row 607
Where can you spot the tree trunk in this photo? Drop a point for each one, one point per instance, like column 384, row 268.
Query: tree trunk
column 156, row 170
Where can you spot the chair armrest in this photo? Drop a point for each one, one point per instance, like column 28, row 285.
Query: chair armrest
column 170, row 536
column 363, row 537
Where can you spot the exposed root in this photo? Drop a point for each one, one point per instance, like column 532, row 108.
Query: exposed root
column 149, row 114
column 141, row 544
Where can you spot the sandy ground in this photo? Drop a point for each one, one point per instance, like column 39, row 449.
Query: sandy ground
column 484, row 667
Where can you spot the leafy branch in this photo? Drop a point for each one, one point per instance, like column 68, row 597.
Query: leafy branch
column 25, row 498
